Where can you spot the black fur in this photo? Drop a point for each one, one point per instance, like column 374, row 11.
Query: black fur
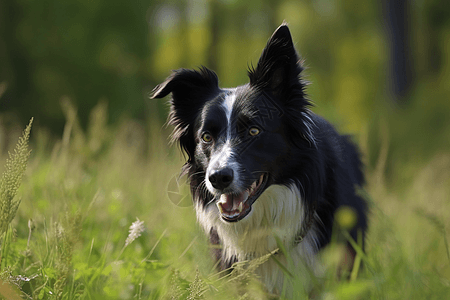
column 295, row 147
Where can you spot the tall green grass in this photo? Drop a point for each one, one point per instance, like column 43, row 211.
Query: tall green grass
column 95, row 222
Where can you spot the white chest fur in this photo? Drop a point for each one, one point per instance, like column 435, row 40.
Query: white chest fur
column 277, row 212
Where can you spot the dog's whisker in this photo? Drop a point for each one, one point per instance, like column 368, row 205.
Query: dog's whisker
column 195, row 174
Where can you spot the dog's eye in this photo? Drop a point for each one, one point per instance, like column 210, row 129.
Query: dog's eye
column 206, row 137
column 253, row 131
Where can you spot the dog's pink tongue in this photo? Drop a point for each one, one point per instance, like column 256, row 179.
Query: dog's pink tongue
column 226, row 201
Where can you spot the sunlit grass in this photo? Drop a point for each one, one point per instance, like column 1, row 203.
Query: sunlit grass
column 81, row 194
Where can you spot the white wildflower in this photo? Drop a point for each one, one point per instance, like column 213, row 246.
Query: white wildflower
column 136, row 229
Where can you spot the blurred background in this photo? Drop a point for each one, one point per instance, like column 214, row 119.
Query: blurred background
column 84, row 70
column 379, row 69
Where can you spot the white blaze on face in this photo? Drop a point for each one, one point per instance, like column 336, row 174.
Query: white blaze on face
column 224, row 158
column 221, row 159
column 228, row 106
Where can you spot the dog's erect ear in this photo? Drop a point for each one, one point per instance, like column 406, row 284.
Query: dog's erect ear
column 279, row 71
column 278, row 67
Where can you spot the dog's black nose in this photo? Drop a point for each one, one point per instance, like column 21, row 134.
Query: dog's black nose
column 222, row 178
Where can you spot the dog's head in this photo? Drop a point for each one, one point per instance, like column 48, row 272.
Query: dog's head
column 241, row 140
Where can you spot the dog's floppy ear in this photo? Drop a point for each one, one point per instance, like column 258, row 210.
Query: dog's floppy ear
column 190, row 90
column 187, row 86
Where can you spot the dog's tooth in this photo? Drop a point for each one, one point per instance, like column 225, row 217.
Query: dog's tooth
column 245, row 197
column 240, row 207
column 219, row 206
column 223, row 199
column 252, row 188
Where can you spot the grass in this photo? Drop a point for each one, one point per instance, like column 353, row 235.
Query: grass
column 95, row 222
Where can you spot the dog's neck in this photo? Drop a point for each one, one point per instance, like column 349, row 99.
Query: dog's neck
column 278, row 214
column 271, row 218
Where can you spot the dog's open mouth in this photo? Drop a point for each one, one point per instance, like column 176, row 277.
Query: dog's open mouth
column 234, row 207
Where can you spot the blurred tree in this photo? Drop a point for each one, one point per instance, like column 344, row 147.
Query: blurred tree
column 398, row 18
column 216, row 15
column 86, row 50
column 118, row 51
column 437, row 19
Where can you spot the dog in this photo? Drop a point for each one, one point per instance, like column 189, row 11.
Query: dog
column 263, row 168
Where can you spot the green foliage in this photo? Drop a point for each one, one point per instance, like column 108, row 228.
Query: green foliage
column 12, row 178
column 92, row 50
column 196, row 288
column 81, row 199
column 71, row 237
column 66, row 234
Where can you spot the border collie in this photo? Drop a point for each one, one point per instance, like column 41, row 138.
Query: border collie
column 263, row 169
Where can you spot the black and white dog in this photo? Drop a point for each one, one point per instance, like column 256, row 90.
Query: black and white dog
column 262, row 165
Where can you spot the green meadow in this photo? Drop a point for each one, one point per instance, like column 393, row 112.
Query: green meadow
column 96, row 220
column 95, row 210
